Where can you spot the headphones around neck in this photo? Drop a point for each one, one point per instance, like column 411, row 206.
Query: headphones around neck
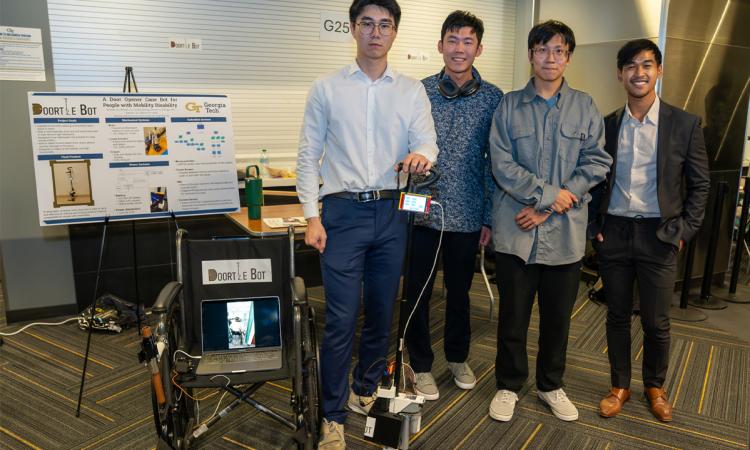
column 451, row 90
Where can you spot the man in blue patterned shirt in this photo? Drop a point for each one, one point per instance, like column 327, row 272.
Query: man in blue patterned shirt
column 462, row 108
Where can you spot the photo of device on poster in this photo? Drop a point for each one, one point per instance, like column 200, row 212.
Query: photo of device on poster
column 71, row 182
column 158, row 199
column 155, row 141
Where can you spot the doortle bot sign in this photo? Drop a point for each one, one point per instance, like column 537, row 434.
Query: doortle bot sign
column 131, row 156
column 232, row 271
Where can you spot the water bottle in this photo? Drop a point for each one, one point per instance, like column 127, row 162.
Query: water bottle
column 253, row 192
column 264, row 161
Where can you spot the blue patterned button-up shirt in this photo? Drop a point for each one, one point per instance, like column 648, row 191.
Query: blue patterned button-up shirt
column 465, row 186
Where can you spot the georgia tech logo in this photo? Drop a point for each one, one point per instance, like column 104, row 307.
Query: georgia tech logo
column 193, row 107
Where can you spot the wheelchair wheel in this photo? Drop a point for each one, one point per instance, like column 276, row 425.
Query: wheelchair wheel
column 311, row 377
column 174, row 420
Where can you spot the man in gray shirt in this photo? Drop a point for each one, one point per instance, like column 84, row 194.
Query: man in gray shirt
column 547, row 151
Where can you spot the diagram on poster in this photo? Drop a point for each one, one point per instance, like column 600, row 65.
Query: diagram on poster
column 131, row 156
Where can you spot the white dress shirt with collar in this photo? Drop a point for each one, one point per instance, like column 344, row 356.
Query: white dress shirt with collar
column 634, row 192
column 355, row 130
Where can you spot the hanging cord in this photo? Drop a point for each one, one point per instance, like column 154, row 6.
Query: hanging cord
column 432, row 271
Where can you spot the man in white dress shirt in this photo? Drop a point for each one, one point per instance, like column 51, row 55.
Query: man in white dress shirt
column 360, row 122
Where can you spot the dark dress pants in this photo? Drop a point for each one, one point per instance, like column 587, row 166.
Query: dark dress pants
column 631, row 251
column 364, row 254
column 556, row 288
column 459, row 251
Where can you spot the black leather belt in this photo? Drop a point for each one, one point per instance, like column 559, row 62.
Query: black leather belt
column 367, row 196
column 634, row 219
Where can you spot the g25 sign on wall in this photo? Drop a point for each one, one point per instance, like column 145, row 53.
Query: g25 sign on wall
column 334, row 27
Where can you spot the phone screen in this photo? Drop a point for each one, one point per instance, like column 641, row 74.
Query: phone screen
column 414, row 202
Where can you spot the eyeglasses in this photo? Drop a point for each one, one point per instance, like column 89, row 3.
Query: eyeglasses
column 385, row 28
column 557, row 52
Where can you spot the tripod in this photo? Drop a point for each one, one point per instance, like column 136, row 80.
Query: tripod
column 127, row 86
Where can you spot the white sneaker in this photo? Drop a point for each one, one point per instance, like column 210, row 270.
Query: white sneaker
column 424, row 385
column 361, row 404
column 560, row 405
column 463, row 376
column 332, row 436
column 503, row 404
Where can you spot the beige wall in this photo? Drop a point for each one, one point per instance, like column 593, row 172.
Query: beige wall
column 526, row 12
column 36, row 268
column 601, row 28
column 263, row 54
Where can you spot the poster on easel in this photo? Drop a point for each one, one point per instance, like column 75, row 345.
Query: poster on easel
column 131, row 156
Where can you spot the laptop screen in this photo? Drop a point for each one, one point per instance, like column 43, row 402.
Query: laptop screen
column 240, row 324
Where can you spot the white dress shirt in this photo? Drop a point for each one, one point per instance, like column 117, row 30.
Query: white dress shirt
column 634, row 192
column 355, row 130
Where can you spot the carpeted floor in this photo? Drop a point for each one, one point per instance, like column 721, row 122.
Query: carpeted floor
column 708, row 382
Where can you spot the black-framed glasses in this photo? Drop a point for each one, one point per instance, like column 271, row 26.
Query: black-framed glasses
column 558, row 52
column 368, row 27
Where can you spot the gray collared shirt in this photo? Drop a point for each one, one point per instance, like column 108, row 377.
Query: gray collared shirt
column 634, row 191
column 537, row 148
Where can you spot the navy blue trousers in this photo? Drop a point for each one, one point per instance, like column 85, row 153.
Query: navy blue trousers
column 362, row 260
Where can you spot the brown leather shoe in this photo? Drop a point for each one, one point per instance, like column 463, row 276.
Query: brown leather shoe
column 611, row 405
column 659, row 404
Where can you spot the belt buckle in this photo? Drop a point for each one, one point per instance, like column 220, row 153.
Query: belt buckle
column 368, row 196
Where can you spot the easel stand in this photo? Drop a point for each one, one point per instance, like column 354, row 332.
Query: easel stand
column 127, row 86
column 91, row 318
column 129, row 80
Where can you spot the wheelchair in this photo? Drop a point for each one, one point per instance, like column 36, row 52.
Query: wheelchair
column 171, row 349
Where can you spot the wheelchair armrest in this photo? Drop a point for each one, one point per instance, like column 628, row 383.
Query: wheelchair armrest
column 166, row 297
column 299, row 293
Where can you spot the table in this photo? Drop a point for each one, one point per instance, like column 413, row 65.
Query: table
column 307, row 259
column 258, row 228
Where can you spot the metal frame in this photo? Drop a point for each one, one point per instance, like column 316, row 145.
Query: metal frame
column 174, row 419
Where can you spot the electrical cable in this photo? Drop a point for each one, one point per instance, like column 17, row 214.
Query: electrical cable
column 47, row 324
column 432, row 271
column 198, row 405
column 413, row 378
column 171, row 247
column 174, row 356
column 220, row 399
column 364, row 374
column 197, row 399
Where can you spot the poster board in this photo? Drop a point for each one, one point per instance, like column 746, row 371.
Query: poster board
column 131, row 156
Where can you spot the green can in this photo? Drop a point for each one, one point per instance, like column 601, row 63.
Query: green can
column 253, row 192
